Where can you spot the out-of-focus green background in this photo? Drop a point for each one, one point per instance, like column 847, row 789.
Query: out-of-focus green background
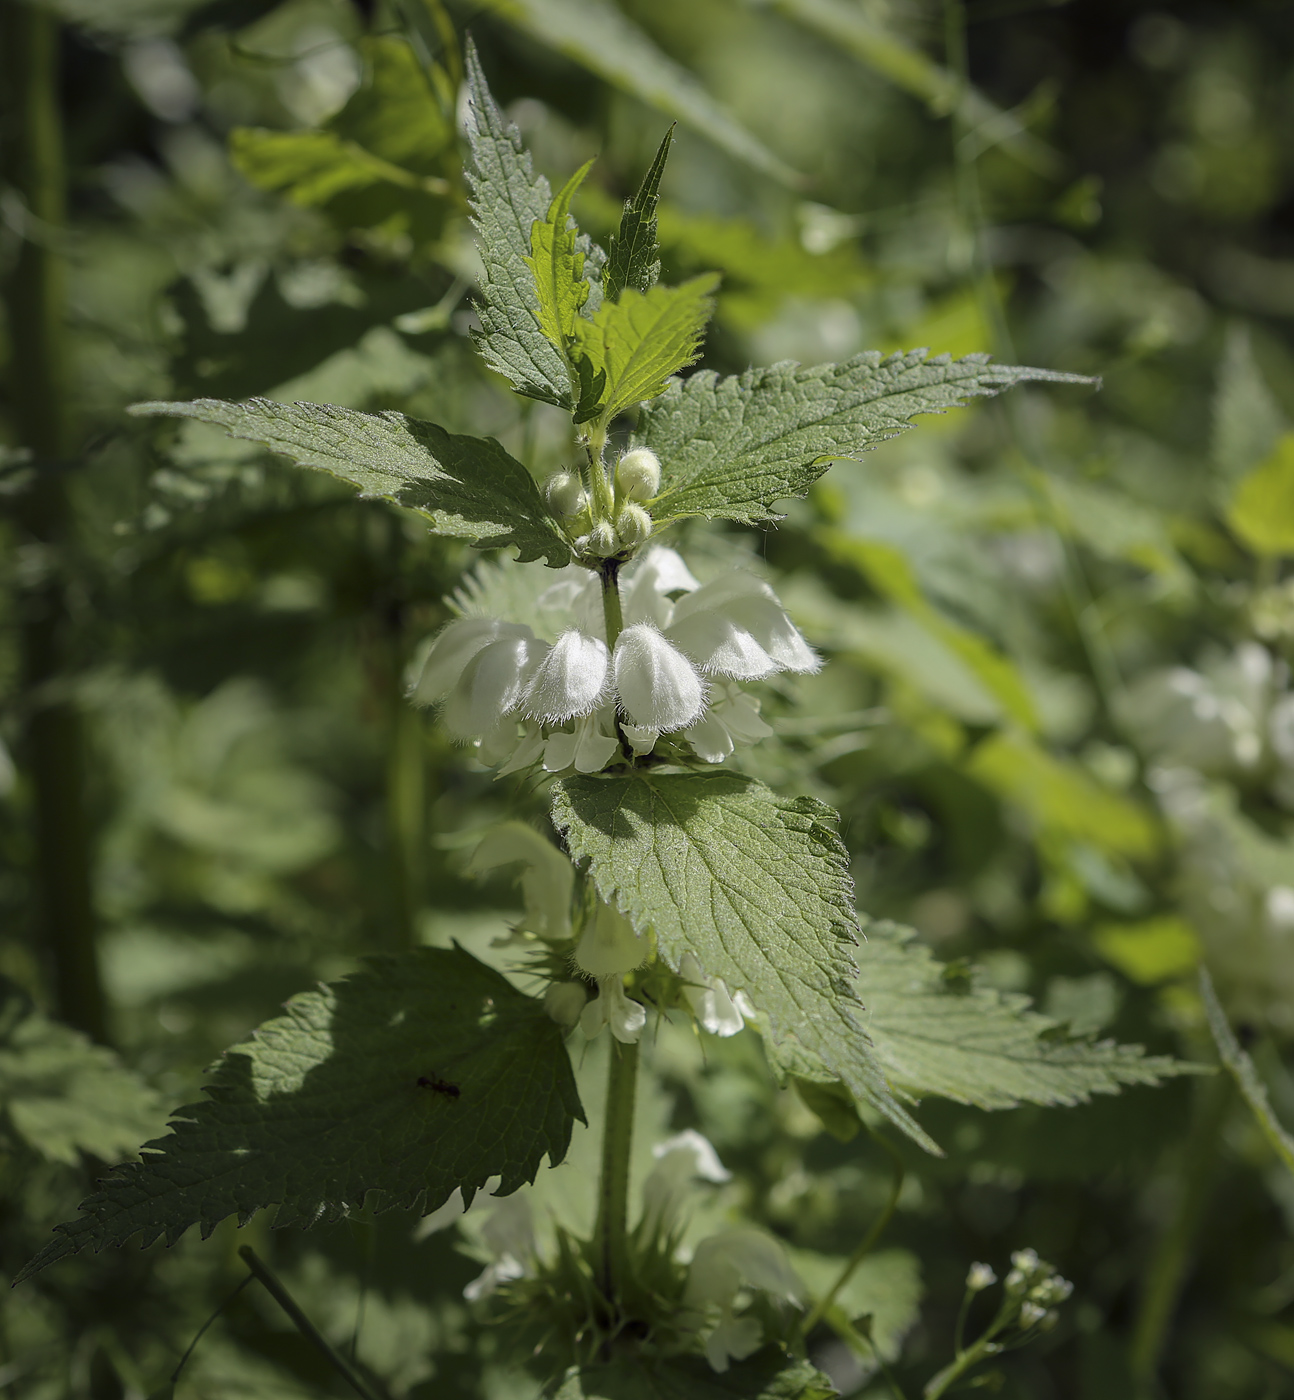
column 1057, row 720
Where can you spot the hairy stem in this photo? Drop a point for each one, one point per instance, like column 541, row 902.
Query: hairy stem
column 35, row 302
column 301, row 1322
column 611, row 1233
column 866, row 1245
column 611, row 611
column 1170, row 1264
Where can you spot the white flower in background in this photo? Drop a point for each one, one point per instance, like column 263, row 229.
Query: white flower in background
column 979, row 1277
column 718, row 1011
column 509, row 1235
column 545, row 875
column 565, row 700
column 609, row 944
column 681, row 1160
column 1234, row 716
column 722, row 1266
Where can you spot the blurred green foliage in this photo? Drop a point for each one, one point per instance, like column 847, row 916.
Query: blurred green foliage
column 1058, row 719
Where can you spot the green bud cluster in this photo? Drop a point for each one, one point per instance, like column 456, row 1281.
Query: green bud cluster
column 610, row 521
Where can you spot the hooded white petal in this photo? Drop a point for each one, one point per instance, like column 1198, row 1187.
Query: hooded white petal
column 571, row 680
column 492, row 685
column 646, row 583
column 657, row 686
column 612, row 1008
column 609, row 944
column 775, row 632
column 720, row 646
column 722, row 591
column 453, row 647
column 709, row 999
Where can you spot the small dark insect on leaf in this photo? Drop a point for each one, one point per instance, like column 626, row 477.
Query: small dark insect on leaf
column 439, row 1086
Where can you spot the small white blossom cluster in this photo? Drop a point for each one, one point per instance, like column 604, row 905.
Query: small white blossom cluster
column 606, row 949
column 1038, row 1289
column 564, row 700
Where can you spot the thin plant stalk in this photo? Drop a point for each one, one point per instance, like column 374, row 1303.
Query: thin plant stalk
column 35, row 302
column 611, row 1232
column 302, row 1323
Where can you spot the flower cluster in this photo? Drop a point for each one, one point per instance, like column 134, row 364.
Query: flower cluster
column 566, row 701
column 600, row 945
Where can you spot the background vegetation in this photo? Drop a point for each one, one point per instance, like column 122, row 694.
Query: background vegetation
column 1057, row 720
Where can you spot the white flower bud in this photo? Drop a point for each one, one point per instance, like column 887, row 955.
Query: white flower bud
column 565, row 493
column 979, row 1277
column 571, row 680
column 657, row 685
column 1031, row 1313
column 633, row 526
column 638, row 474
column 492, row 685
column 609, row 944
column 602, row 540
column 565, row 1002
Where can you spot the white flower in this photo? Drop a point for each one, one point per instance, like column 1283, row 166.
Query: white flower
column 734, row 626
column 711, row 1003
column 979, row 1277
column 1031, row 1313
column 571, row 679
column 510, row 1236
column 450, row 651
column 732, row 719
column 492, row 685
column 612, row 1008
column 545, row 875
column 680, row 1161
column 587, row 749
column 657, row 686
column 638, row 474
column 565, row 1002
column 609, row 944
column 725, row 1263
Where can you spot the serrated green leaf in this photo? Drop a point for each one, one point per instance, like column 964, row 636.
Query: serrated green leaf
column 642, row 339
column 468, row 487
column 634, row 257
column 63, row 1096
column 768, row 1375
column 732, row 448
column 507, row 199
column 757, row 888
column 1241, row 1068
column 1261, row 511
column 395, row 129
column 321, row 1111
column 977, row 1045
column 557, row 266
column 600, row 38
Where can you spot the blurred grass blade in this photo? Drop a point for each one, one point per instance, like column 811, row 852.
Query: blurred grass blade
column 1242, row 1070
column 595, row 34
column 908, row 68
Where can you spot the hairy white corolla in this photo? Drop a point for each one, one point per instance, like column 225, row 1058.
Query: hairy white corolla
column 611, row 1007
column 609, row 944
column 638, row 474
column 563, row 699
column 734, row 626
column 717, row 1010
column 571, row 680
column 656, row 685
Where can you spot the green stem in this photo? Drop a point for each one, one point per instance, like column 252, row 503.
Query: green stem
column 867, row 1244
column 35, row 302
column 1171, row 1261
column 405, row 814
column 611, row 1232
column 611, row 611
column 301, row 1322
